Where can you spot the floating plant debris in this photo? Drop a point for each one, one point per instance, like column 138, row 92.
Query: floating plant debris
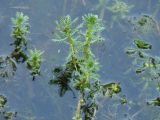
column 131, row 51
column 111, row 88
column 155, row 102
column 148, row 63
column 8, row 66
column 3, row 101
column 62, row 78
column 123, row 100
column 142, row 44
column 149, row 66
column 9, row 115
column 6, row 115
column 145, row 24
column 19, row 56
column 140, row 70
column 64, row 75
column 120, row 7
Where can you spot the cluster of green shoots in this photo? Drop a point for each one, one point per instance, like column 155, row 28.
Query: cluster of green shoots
column 149, row 65
column 34, row 62
column 19, row 34
column 81, row 67
column 8, row 63
column 20, row 31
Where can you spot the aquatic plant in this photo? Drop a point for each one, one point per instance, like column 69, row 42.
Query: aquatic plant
column 145, row 24
column 9, row 115
column 62, row 79
column 120, row 13
column 80, row 69
column 155, row 102
column 141, row 44
column 20, row 30
column 120, row 7
column 146, row 60
column 111, row 89
column 20, row 33
column 34, row 62
column 148, row 65
column 6, row 115
column 3, row 101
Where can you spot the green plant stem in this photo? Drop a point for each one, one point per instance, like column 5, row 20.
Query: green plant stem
column 72, row 48
column 87, row 45
column 78, row 109
column 86, row 56
column 94, row 114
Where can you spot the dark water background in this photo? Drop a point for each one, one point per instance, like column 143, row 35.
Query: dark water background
column 37, row 100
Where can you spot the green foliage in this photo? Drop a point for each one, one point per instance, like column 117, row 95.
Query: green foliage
column 3, row 101
column 62, row 79
column 6, row 115
column 140, row 55
column 148, row 65
column 155, row 102
column 142, row 45
column 93, row 23
column 147, row 61
column 80, row 70
column 9, row 115
column 111, row 88
column 34, row 62
column 20, row 29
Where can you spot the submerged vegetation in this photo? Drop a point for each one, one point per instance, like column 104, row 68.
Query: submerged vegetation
column 8, row 66
column 4, row 114
column 95, row 70
column 120, row 10
column 145, row 24
column 149, row 65
column 120, row 7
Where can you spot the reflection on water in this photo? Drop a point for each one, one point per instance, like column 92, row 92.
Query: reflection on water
column 37, row 100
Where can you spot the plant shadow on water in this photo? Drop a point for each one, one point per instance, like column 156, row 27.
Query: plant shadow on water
column 29, row 59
